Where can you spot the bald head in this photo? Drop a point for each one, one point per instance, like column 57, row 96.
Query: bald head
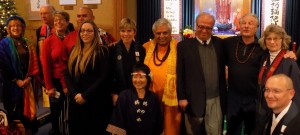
column 279, row 92
column 84, row 14
column 47, row 12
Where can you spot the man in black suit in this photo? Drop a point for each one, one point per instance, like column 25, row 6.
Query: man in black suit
column 201, row 79
column 284, row 116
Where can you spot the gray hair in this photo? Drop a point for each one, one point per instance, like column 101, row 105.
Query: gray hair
column 286, row 39
column 249, row 14
column 162, row 21
column 52, row 9
column 205, row 14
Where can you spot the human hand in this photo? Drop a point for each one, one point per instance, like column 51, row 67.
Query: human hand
column 114, row 99
column 78, row 98
column 27, row 81
column 290, row 54
column 51, row 92
column 183, row 104
column 20, row 83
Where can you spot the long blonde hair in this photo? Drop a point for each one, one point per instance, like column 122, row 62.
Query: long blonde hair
column 77, row 53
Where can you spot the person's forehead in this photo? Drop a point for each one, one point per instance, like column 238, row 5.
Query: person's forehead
column 275, row 83
column 14, row 22
column 84, row 12
column 45, row 9
column 162, row 28
column 249, row 18
column 87, row 25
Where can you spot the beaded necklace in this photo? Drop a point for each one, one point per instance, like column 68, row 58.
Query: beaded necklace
column 156, row 56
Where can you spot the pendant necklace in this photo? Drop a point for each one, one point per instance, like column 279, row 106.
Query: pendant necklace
column 244, row 53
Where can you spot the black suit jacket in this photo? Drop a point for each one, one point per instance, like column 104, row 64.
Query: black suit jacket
column 190, row 77
column 292, row 126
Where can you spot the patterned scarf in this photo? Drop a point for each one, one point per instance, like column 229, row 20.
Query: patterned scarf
column 33, row 70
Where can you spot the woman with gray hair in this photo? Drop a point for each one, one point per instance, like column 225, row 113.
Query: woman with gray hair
column 276, row 41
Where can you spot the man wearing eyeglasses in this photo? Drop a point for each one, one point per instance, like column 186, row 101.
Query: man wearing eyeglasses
column 284, row 116
column 201, row 79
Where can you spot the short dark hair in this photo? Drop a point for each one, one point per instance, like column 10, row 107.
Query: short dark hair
column 144, row 68
column 64, row 14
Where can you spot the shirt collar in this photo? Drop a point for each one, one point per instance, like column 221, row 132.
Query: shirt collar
column 201, row 41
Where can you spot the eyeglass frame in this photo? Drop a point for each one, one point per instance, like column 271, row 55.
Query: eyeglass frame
column 274, row 91
column 201, row 27
column 273, row 39
column 88, row 31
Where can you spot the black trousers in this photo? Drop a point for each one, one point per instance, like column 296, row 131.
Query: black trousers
column 56, row 106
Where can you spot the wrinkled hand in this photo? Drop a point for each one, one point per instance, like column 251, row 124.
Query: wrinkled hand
column 114, row 99
column 183, row 104
column 290, row 54
column 78, row 98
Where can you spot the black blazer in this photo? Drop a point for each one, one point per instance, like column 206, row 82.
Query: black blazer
column 190, row 77
column 292, row 126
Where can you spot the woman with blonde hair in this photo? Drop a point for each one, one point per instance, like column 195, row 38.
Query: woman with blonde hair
column 87, row 78
column 124, row 54
column 276, row 41
column 20, row 71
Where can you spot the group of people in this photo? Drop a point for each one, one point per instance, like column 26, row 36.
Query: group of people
column 99, row 86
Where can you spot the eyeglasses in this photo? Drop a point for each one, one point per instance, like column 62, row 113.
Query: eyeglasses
column 200, row 27
column 274, row 39
column 88, row 31
column 274, row 91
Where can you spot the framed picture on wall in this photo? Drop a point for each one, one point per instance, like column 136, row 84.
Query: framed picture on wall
column 91, row 1
column 226, row 12
column 67, row 2
column 33, row 11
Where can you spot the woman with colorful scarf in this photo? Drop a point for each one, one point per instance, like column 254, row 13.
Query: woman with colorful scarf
column 20, row 74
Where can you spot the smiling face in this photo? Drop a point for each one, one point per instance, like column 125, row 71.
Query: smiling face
column 87, row 33
column 277, row 94
column 273, row 42
column 204, row 27
column 60, row 23
column 15, row 28
column 127, row 35
column 139, row 80
column 162, row 35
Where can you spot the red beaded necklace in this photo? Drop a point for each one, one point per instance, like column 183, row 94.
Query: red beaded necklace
column 236, row 54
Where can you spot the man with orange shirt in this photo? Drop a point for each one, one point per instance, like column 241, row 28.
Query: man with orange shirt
column 161, row 59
